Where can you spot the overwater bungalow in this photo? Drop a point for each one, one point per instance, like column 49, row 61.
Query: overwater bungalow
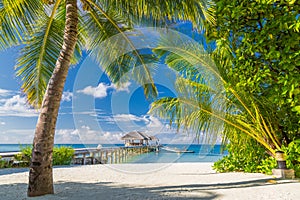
column 137, row 138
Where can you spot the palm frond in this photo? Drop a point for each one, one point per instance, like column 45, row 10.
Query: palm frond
column 182, row 53
column 113, row 49
column 16, row 18
column 180, row 49
column 193, row 10
column 38, row 57
column 206, row 102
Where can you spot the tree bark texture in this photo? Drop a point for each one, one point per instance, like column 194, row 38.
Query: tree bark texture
column 40, row 174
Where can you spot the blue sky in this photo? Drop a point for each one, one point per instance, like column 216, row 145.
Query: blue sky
column 93, row 110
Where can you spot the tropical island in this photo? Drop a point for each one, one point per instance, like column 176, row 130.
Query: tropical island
column 237, row 83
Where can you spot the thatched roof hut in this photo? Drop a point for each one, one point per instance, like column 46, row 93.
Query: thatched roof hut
column 137, row 138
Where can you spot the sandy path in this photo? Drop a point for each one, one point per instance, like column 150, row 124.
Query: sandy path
column 151, row 181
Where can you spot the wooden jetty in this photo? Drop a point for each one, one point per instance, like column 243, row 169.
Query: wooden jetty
column 135, row 143
column 8, row 155
column 104, row 155
column 109, row 155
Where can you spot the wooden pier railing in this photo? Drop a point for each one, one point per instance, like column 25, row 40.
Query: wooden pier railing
column 103, row 155
column 109, row 155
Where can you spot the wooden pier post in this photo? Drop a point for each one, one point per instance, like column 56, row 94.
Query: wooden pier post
column 111, row 157
column 100, row 157
column 106, row 157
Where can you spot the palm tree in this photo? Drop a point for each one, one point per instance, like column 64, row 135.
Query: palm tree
column 207, row 100
column 53, row 33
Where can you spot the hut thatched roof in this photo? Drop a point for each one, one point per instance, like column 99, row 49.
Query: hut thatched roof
column 137, row 135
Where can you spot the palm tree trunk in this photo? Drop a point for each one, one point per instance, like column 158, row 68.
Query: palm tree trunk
column 40, row 174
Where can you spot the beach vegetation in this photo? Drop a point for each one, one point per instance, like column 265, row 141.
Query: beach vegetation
column 250, row 94
column 246, row 155
column 52, row 36
column 61, row 156
column 243, row 155
column 292, row 152
column 23, row 158
column 261, row 43
column 208, row 100
column 261, row 40
column 249, row 156
column 5, row 163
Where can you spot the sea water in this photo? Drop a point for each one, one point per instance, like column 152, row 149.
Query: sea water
column 201, row 153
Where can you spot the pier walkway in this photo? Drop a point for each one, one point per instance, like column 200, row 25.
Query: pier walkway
column 103, row 155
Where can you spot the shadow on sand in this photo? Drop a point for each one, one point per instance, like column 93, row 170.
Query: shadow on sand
column 107, row 191
column 8, row 171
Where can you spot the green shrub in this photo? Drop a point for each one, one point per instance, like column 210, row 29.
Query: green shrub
column 248, row 156
column 243, row 155
column 23, row 158
column 62, row 155
column 292, row 152
column 4, row 163
column 267, row 165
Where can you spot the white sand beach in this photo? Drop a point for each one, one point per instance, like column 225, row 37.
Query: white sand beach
column 150, row 181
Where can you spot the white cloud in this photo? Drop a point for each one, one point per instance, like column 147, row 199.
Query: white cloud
column 15, row 136
column 86, row 135
column 16, row 106
column 67, row 136
column 101, row 91
column 13, row 104
column 67, row 96
column 4, row 92
column 129, row 122
column 155, row 123
column 2, row 123
column 124, row 87
column 127, row 118
column 98, row 92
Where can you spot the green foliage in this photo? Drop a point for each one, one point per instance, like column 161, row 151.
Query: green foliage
column 26, row 153
column 156, row 11
column 244, row 155
column 267, row 165
column 62, row 155
column 4, row 163
column 248, row 156
column 261, row 39
column 292, row 152
column 23, row 158
column 207, row 97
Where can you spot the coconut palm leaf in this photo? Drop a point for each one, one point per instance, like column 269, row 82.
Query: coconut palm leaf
column 38, row 57
column 204, row 108
column 14, row 21
column 117, row 55
column 194, row 10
